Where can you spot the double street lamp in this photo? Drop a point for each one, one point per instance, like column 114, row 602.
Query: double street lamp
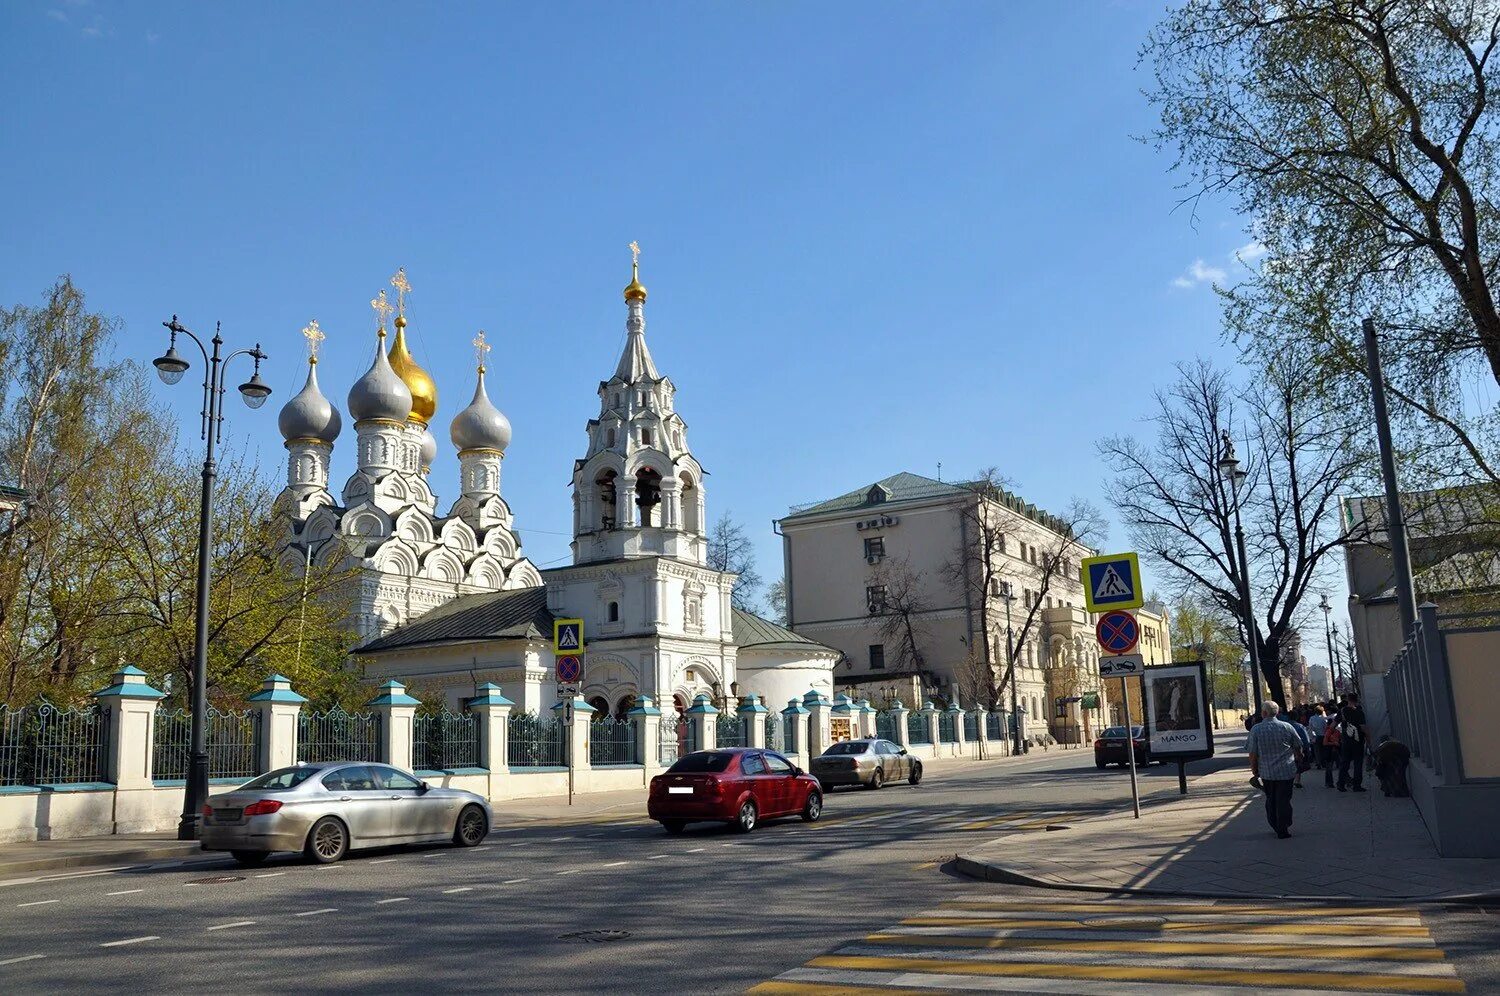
column 1008, row 594
column 1231, row 471
column 1333, row 650
column 170, row 366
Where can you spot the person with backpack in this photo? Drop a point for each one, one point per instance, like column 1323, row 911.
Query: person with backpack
column 1317, row 730
column 1353, row 734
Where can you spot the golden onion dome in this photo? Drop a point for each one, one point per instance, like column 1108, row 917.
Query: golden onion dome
column 418, row 381
column 635, row 290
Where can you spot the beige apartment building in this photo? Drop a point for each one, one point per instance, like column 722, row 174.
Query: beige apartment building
column 886, row 553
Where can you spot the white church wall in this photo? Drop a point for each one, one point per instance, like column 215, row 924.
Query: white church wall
column 780, row 678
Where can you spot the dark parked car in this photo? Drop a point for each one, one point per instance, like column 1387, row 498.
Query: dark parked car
column 738, row 786
column 1110, row 747
column 871, row 763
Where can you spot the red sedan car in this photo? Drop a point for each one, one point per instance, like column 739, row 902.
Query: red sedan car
column 738, row 786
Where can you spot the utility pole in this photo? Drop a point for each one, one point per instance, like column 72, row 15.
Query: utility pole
column 1395, row 519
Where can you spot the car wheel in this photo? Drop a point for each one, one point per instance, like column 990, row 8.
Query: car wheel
column 1099, row 764
column 472, row 827
column 812, row 808
column 916, row 775
column 327, row 841
column 747, row 818
column 250, row 858
column 674, row 827
column 877, row 780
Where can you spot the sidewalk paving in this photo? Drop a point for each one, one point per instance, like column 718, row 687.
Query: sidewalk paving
column 1215, row 843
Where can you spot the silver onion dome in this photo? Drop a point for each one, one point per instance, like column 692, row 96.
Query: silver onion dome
column 309, row 415
column 429, row 449
column 481, row 426
column 380, row 393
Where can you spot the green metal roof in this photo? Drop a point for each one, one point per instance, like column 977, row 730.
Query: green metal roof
column 905, row 487
column 518, row 614
column 751, row 631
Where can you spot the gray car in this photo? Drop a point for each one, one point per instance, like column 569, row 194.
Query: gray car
column 326, row 810
column 870, row 763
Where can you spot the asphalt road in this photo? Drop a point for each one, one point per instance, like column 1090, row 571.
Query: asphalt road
column 709, row 911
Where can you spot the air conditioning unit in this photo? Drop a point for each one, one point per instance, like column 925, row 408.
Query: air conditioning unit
column 875, row 608
column 873, row 558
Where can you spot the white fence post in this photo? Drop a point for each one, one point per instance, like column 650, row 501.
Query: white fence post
column 278, row 708
column 397, row 712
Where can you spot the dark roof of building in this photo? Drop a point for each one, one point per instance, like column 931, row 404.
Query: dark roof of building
column 905, row 487
column 500, row 615
column 751, row 631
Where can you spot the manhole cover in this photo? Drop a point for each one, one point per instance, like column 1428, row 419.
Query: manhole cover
column 217, row 880
column 1125, row 921
column 595, row 936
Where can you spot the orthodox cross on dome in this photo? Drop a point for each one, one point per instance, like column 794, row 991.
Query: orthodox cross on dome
column 314, row 336
column 635, row 254
column 382, row 309
column 480, row 348
column 403, row 288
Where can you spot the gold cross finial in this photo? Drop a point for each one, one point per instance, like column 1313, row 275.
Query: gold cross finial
column 480, row 348
column 314, row 336
column 635, row 256
column 382, row 309
column 403, row 288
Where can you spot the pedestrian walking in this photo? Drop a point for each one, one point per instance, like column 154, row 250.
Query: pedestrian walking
column 1273, row 746
column 1317, row 729
column 1354, row 736
column 1304, row 756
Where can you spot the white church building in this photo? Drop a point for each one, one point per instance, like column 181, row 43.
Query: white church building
column 448, row 602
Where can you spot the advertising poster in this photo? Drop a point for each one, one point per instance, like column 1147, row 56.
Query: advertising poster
column 1177, row 721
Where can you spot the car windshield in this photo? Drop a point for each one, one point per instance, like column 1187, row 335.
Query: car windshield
column 847, row 747
column 707, row 760
column 1118, row 732
column 281, row 778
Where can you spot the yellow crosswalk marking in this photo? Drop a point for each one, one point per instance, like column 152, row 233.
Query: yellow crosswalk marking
column 1263, row 950
column 1112, row 907
column 1218, row 926
column 823, row 989
column 1125, row 973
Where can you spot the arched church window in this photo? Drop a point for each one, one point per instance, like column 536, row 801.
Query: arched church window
column 645, row 436
column 610, row 437
column 601, row 706
column 626, row 703
column 647, row 494
column 689, row 499
column 613, row 612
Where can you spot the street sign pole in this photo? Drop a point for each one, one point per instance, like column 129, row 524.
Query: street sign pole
column 568, row 732
column 1135, row 792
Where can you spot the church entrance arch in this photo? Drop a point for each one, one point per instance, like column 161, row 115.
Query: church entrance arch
column 601, row 706
column 627, row 702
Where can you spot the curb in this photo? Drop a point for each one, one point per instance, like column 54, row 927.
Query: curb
column 103, row 859
column 986, row 871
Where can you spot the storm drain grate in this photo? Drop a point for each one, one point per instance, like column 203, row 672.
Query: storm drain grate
column 217, row 880
column 595, row 936
column 1125, row 921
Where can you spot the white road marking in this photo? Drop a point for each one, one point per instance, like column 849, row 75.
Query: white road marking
column 237, row 923
column 13, row 961
column 653, row 857
column 519, row 843
column 39, row 902
column 397, row 899
column 124, row 892
column 130, row 940
column 571, row 871
column 462, row 888
column 615, row 864
column 331, row 909
column 554, row 840
column 513, row 881
column 270, row 874
column 382, row 861
column 482, row 847
column 695, row 850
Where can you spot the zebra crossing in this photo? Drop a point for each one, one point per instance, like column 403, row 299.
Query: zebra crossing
column 1119, row 947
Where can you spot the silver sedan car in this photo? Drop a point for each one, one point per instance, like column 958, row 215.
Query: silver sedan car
column 326, row 810
column 870, row 763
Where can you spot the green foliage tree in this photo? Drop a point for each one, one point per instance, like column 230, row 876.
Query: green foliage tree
column 99, row 566
column 1359, row 135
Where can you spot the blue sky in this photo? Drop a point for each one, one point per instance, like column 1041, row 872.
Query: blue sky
column 876, row 236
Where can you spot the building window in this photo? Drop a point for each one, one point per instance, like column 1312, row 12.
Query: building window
column 611, row 437
column 645, row 437
column 875, row 599
column 877, row 657
column 874, row 547
column 614, row 612
column 1002, row 542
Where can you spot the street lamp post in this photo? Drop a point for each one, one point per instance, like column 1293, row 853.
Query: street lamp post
column 1229, row 469
column 1007, row 593
column 1333, row 659
column 170, row 366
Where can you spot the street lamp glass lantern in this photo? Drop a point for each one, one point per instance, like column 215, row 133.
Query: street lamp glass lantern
column 255, row 391
column 170, row 366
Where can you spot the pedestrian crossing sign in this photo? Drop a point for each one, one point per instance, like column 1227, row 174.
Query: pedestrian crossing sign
column 567, row 636
column 1112, row 581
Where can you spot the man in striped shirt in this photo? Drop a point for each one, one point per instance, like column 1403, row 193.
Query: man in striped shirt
column 1273, row 746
